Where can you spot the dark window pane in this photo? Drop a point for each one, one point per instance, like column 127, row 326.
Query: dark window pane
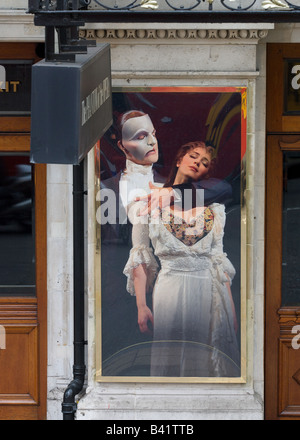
column 17, row 253
column 291, row 229
column 15, row 96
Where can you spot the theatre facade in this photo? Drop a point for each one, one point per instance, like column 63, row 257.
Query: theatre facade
column 231, row 82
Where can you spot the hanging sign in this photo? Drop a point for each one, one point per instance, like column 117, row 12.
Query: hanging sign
column 71, row 106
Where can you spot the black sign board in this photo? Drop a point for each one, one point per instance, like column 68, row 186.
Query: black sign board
column 71, row 106
column 15, row 94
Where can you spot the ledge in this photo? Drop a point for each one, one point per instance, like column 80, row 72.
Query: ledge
column 184, row 75
column 15, row 15
column 180, row 25
column 171, row 404
column 19, row 26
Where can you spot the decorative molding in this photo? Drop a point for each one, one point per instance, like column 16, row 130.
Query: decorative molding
column 172, row 75
column 22, row 311
column 287, row 319
column 19, row 26
column 296, row 376
column 178, row 35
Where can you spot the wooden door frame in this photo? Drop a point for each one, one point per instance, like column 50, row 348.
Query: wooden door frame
column 31, row 313
column 40, row 176
column 18, row 51
column 26, row 312
column 273, row 255
column 277, row 337
column 276, row 120
column 283, row 133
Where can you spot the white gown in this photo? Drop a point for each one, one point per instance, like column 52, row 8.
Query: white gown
column 193, row 319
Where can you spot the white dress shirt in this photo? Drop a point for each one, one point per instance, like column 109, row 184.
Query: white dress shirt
column 134, row 182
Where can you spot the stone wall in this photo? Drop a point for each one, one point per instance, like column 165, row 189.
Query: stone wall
column 193, row 55
column 161, row 55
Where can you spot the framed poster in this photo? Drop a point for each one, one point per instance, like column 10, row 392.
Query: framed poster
column 170, row 224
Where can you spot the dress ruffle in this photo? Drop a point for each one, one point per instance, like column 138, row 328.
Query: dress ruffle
column 225, row 353
column 223, row 267
column 141, row 254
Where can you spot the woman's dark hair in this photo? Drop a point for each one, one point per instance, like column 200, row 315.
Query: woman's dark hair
column 183, row 150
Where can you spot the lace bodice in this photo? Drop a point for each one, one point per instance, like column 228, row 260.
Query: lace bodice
column 188, row 231
column 174, row 255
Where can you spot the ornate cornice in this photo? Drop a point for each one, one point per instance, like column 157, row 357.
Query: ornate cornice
column 19, row 26
column 181, row 35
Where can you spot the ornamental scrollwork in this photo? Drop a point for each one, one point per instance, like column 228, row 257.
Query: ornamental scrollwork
column 194, row 5
column 275, row 4
column 170, row 5
column 279, row 4
column 145, row 4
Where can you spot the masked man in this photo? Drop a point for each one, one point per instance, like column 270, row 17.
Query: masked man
column 140, row 181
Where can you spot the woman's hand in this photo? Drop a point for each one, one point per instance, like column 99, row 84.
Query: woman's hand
column 158, row 198
column 144, row 315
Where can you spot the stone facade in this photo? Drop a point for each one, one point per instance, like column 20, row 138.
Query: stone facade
column 195, row 56
column 160, row 55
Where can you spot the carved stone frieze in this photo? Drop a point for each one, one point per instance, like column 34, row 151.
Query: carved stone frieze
column 138, row 35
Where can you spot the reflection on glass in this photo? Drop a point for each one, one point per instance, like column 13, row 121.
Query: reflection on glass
column 17, row 256
column 180, row 342
column 291, row 229
column 292, row 87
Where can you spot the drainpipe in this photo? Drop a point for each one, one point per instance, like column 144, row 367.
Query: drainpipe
column 69, row 405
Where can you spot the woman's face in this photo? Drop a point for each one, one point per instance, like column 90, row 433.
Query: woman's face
column 139, row 141
column 194, row 165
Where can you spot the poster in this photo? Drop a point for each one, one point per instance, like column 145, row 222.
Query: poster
column 171, row 277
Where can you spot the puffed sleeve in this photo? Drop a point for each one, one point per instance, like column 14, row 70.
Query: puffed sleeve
column 220, row 261
column 141, row 251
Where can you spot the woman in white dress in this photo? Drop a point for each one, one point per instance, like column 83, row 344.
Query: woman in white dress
column 194, row 320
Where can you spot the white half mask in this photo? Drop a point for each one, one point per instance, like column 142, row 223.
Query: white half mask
column 138, row 136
